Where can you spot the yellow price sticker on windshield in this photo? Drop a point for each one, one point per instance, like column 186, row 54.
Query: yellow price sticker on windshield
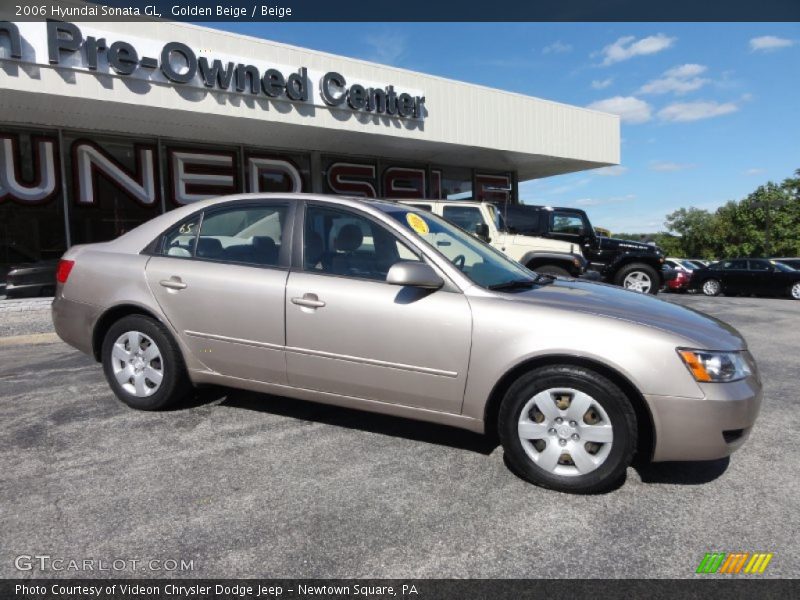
column 417, row 223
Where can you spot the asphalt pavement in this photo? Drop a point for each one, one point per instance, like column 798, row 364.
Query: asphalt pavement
column 249, row 485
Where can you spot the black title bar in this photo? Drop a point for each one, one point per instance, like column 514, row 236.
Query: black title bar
column 408, row 10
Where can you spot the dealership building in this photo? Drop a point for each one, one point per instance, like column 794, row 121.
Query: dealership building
column 105, row 125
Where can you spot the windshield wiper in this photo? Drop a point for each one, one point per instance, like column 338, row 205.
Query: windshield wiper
column 518, row 284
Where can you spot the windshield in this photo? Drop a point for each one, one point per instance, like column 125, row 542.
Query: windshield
column 689, row 265
column 480, row 262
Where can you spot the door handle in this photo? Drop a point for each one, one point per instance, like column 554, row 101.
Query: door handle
column 173, row 283
column 308, row 301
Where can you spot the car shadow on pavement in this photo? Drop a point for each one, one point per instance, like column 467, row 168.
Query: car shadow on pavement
column 337, row 416
column 683, row 473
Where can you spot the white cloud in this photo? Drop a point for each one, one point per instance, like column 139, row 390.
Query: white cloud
column 768, row 43
column 613, row 171
column 627, row 47
column 604, row 201
column 557, row 47
column 682, row 112
column 755, row 171
column 387, row 48
column 601, row 84
column 666, row 166
column 678, row 80
column 630, row 109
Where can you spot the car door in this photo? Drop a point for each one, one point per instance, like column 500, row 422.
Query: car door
column 220, row 279
column 735, row 276
column 348, row 332
column 761, row 280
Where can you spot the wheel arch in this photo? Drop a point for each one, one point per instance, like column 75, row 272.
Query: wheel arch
column 644, row 418
column 111, row 316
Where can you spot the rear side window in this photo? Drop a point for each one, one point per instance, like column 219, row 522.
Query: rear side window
column 246, row 234
column 733, row 265
column 181, row 239
column 759, row 265
column 520, row 219
column 567, row 223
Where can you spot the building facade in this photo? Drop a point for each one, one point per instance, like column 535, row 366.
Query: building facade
column 105, row 125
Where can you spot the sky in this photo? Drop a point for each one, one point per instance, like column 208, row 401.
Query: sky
column 709, row 111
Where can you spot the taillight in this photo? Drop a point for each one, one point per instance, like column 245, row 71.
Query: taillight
column 64, row 268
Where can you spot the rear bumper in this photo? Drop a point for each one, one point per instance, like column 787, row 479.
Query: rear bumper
column 74, row 322
column 708, row 428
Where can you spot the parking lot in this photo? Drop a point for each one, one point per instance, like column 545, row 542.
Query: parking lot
column 247, row 485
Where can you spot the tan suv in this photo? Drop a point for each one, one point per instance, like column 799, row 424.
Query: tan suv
column 388, row 308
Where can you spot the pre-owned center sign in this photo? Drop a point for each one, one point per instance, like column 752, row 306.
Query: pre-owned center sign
column 176, row 63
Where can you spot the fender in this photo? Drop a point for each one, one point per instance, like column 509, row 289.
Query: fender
column 629, row 257
column 576, row 261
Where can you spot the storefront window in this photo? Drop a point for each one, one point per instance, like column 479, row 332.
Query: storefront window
column 266, row 172
column 31, row 201
column 114, row 186
column 456, row 184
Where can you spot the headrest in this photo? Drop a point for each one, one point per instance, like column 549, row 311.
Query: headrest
column 349, row 238
column 209, row 247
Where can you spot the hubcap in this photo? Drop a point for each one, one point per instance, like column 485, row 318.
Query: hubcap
column 711, row 287
column 137, row 364
column 638, row 281
column 796, row 291
column 565, row 432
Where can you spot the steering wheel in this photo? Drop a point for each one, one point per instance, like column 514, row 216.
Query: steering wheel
column 459, row 261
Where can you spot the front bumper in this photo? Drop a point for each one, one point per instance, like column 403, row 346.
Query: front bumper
column 708, row 428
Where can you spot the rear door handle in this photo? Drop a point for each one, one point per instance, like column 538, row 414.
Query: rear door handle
column 174, row 283
column 309, row 301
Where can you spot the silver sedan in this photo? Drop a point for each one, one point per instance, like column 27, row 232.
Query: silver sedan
column 384, row 307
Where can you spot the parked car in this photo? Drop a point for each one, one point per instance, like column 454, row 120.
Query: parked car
column 748, row 276
column 483, row 219
column 384, row 307
column 680, row 264
column 633, row 265
column 11, row 254
column 32, row 279
column 681, row 281
column 789, row 262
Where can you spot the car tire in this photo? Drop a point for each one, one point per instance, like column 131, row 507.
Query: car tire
column 794, row 291
column 533, row 405
column 143, row 364
column 638, row 277
column 712, row 287
column 552, row 270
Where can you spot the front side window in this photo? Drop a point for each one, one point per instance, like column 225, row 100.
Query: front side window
column 466, row 217
column 734, row 265
column 759, row 265
column 344, row 243
column 567, row 223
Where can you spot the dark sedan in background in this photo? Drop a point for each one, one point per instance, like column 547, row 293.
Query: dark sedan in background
column 748, row 276
column 31, row 279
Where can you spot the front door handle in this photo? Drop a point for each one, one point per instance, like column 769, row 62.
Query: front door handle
column 308, row 301
column 173, row 283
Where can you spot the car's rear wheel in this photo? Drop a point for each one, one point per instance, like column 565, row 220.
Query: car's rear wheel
column 143, row 365
column 712, row 287
column 794, row 291
column 568, row 428
column 638, row 277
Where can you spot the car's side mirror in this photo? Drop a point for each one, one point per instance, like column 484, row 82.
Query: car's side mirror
column 415, row 274
column 482, row 231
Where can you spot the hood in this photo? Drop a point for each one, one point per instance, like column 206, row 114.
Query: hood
column 626, row 245
column 698, row 329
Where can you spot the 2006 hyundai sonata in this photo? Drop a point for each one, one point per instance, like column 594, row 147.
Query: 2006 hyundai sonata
column 384, row 307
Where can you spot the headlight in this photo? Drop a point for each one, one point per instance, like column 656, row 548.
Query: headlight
column 715, row 367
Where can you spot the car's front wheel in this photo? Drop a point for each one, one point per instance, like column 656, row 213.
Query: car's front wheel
column 552, row 270
column 712, row 287
column 142, row 364
column 568, row 428
column 794, row 291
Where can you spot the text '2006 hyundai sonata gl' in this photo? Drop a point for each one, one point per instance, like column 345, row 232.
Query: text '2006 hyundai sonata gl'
column 384, row 307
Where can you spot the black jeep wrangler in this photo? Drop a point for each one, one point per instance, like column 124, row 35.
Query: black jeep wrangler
column 633, row 265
